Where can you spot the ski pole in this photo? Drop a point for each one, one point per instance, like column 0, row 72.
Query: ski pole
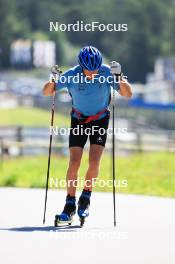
column 55, row 71
column 113, row 146
column 116, row 71
column 113, row 152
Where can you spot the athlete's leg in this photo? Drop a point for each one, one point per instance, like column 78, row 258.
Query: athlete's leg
column 76, row 145
column 72, row 172
column 95, row 154
column 97, row 144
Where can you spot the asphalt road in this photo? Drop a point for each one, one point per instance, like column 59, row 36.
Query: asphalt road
column 145, row 232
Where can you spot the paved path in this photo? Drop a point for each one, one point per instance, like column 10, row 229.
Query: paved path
column 145, row 232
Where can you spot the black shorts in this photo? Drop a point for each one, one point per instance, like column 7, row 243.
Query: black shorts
column 96, row 131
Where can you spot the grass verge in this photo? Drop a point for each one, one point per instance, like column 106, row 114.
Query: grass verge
column 150, row 174
column 25, row 116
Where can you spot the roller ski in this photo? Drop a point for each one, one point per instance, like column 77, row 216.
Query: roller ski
column 66, row 217
column 83, row 206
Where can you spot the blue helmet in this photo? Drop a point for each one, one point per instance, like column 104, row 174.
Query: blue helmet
column 90, row 58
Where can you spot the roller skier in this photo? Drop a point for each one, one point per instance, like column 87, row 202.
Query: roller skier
column 90, row 107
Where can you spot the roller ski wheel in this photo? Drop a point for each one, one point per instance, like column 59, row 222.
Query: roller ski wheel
column 66, row 217
column 83, row 206
column 59, row 221
column 82, row 221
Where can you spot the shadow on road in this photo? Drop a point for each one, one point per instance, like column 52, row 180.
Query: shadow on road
column 43, row 229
